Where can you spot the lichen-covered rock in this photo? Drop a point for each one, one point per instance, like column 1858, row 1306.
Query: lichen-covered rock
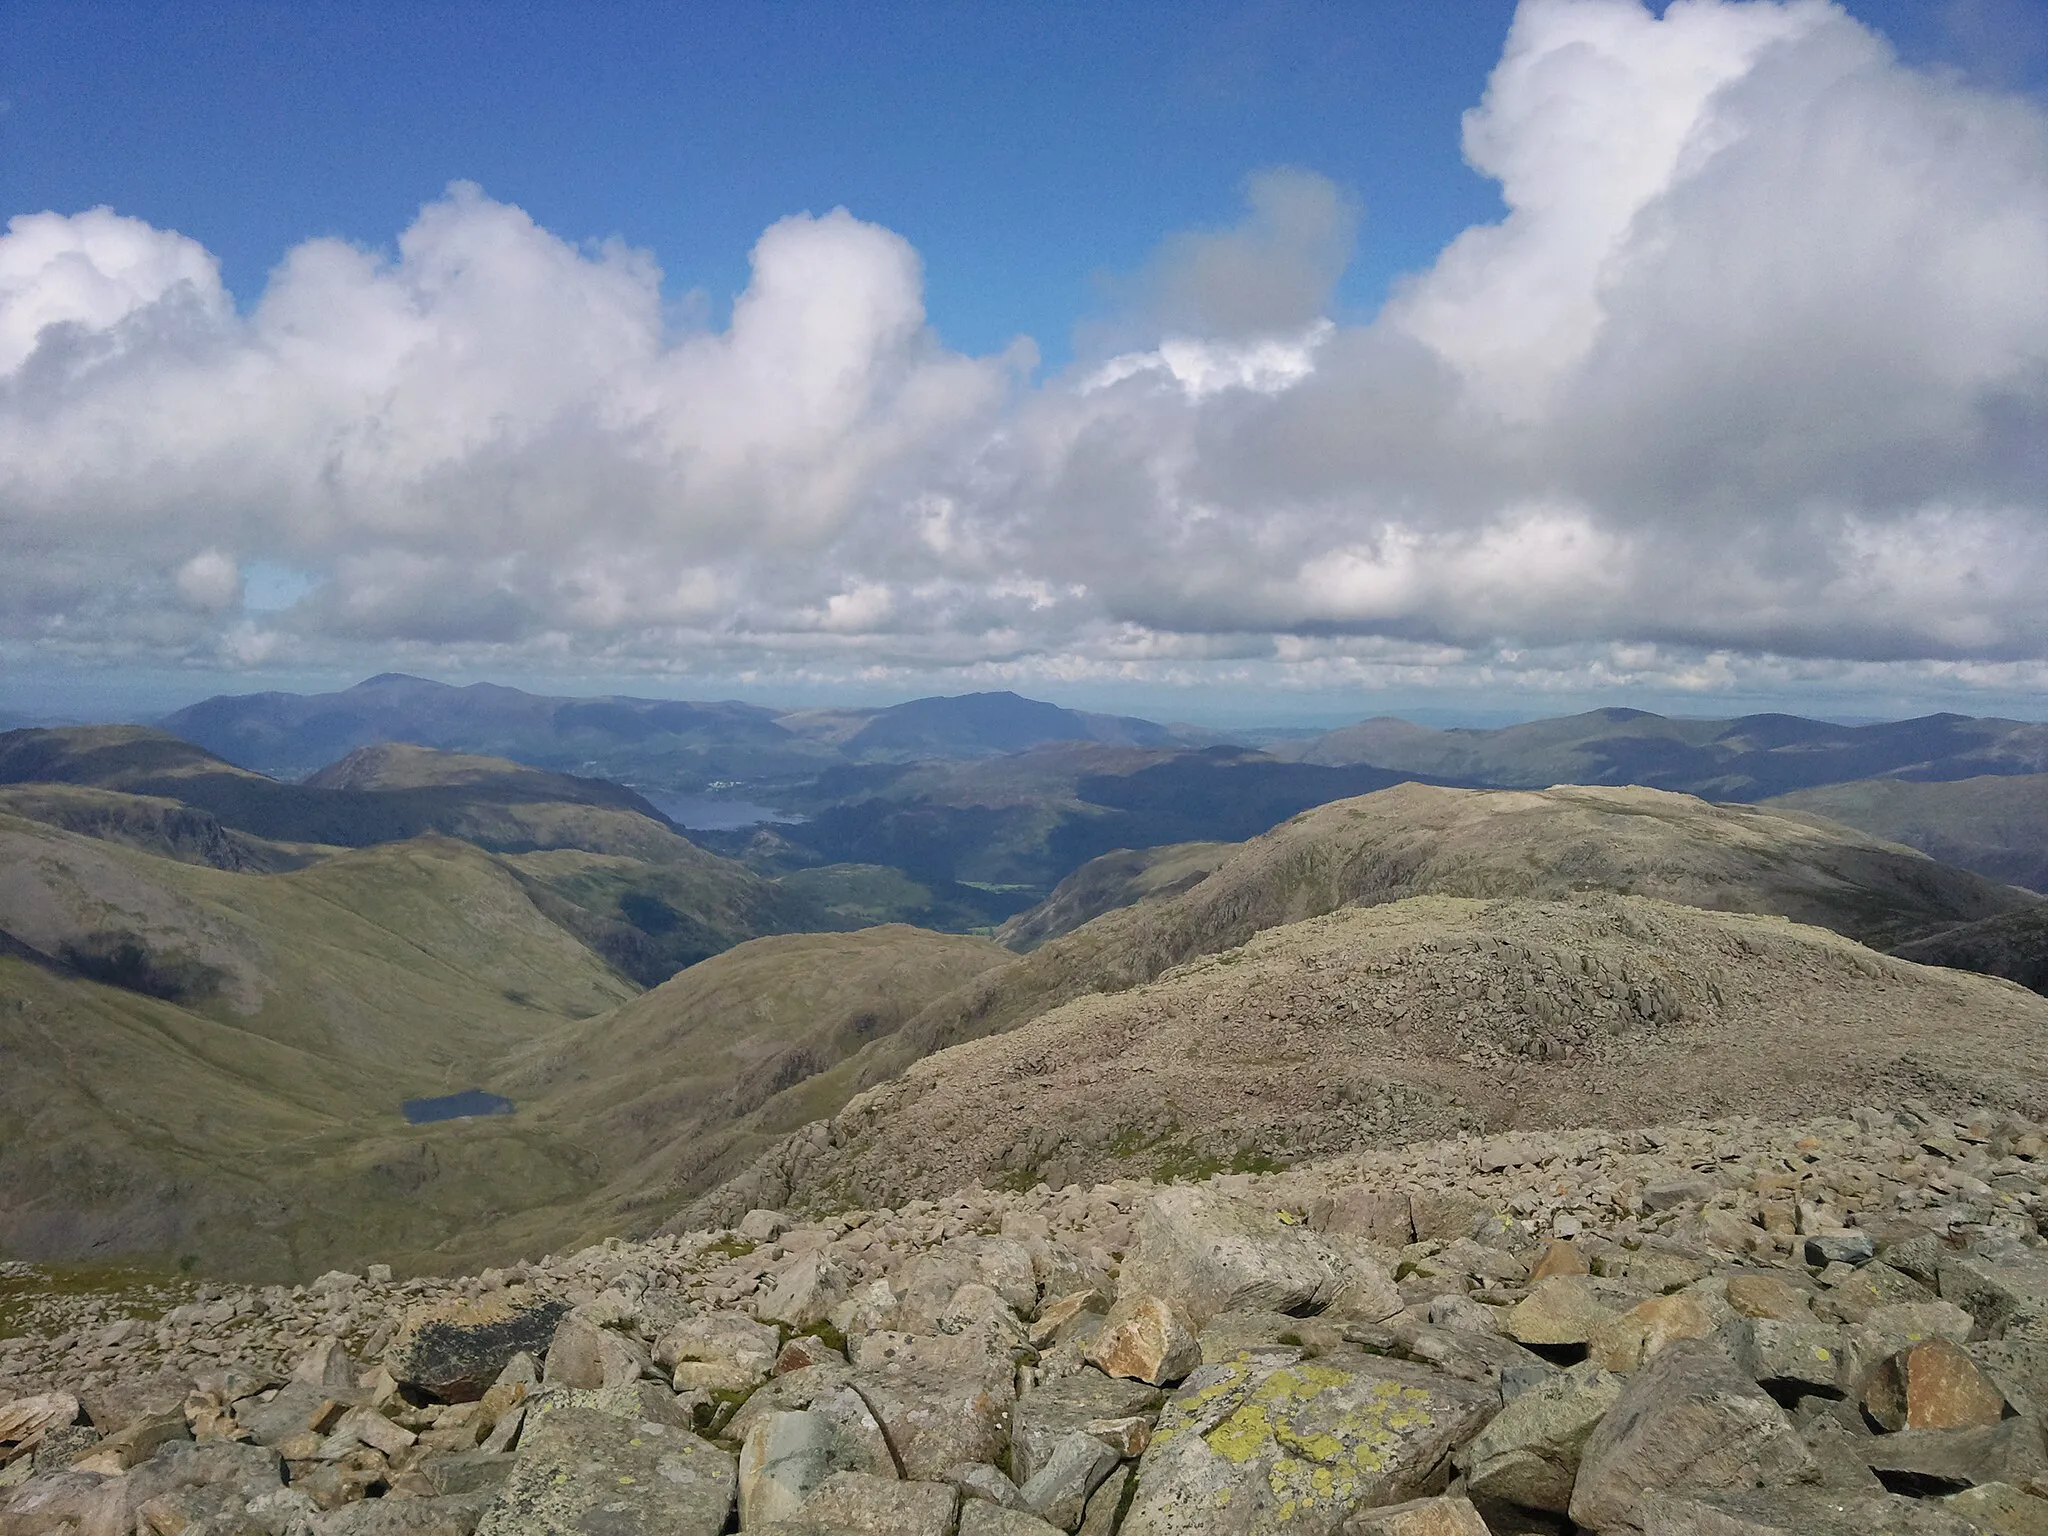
column 582, row 1471
column 1247, row 1447
column 453, row 1351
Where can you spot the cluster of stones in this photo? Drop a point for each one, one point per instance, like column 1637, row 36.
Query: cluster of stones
column 1694, row 1331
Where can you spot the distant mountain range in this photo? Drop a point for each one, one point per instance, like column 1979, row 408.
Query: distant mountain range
column 1749, row 758
column 683, row 745
column 990, row 799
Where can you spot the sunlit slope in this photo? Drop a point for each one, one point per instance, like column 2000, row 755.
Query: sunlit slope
column 1416, row 839
column 1115, row 880
column 686, row 1083
column 1413, row 1020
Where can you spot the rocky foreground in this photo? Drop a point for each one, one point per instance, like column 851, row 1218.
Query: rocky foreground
column 1720, row 1329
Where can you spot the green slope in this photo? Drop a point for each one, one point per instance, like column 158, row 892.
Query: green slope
column 251, row 1116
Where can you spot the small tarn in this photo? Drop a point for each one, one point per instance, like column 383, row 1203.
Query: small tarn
column 456, row 1106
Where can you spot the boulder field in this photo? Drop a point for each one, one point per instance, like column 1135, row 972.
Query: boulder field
column 1720, row 1328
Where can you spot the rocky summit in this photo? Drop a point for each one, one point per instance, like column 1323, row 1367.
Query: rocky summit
column 1715, row 1328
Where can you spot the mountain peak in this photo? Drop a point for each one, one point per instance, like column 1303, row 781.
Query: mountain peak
column 393, row 679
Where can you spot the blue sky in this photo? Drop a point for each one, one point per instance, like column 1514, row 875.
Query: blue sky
column 1262, row 520
column 1034, row 154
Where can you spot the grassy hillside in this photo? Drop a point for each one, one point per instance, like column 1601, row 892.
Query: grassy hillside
column 594, row 856
column 687, row 1083
column 2013, row 945
column 1113, row 881
column 211, row 1063
column 153, row 824
column 1997, row 826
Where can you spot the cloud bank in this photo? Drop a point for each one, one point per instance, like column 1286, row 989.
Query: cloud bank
column 1750, row 384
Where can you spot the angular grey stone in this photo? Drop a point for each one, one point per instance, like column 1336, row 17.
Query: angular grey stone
column 1672, row 1193
column 1106, row 1504
column 585, row 1472
column 1924, row 1461
column 1043, row 1417
column 451, row 1515
column 1529, row 1454
column 979, row 1519
column 2018, row 1367
column 587, row 1357
column 299, row 1408
column 1791, row 1356
column 784, row 1459
column 457, row 1472
column 784, row 1394
column 1419, row 1517
column 1840, row 1248
column 1797, row 1512
column 720, row 1338
column 1688, row 1418
column 1058, row 1491
column 979, row 1480
column 939, row 1403
column 1999, row 1290
column 2001, row 1509
column 805, row 1294
column 1208, row 1253
column 852, row 1502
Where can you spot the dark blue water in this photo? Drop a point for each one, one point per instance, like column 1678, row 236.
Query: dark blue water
column 455, row 1106
column 714, row 813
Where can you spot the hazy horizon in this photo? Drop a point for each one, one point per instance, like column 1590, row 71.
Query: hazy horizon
column 124, row 701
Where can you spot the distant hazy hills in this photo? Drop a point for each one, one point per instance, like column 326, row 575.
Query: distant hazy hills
column 292, row 734
column 596, row 857
column 1750, row 758
column 975, row 796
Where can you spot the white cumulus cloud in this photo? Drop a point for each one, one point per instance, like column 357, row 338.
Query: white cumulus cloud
column 1750, row 383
